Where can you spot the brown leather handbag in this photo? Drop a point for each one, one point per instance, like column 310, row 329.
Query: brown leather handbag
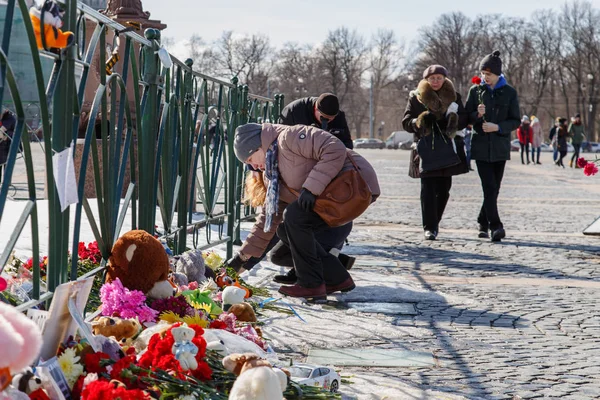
column 345, row 198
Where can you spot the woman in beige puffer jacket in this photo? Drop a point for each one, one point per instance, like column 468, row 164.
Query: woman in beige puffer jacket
column 538, row 139
column 307, row 159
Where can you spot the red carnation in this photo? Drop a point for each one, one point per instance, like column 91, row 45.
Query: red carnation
column 217, row 324
column 476, row 80
column 581, row 162
column 102, row 390
column 590, row 169
column 91, row 362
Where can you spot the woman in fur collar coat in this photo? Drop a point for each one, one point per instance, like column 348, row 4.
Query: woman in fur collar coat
column 436, row 108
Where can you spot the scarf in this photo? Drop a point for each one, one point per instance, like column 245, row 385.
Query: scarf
column 272, row 174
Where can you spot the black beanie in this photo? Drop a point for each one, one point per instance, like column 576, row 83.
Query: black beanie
column 328, row 104
column 492, row 63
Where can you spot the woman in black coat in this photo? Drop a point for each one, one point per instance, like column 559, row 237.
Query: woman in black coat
column 435, row 111
column 7, row 128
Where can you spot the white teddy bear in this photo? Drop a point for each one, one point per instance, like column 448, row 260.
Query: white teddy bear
column 184, row 350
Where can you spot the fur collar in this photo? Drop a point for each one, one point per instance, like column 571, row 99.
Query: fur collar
column 436, row 102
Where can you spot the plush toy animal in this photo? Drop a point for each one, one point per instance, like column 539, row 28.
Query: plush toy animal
column 28, row 383
column 232, row 295
column 243, row 312
column 120, row 329
column 141, row 263
column 54, row 37
column 224, row 280
column 20, row 340
column 218, row 346
column 257, row 380
column 191, row 264
column 184, row 350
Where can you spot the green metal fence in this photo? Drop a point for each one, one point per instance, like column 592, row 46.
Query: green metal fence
column 174, row 161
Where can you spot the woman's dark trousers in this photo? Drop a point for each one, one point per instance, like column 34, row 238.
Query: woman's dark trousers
column 435, row 192
column 490, row 174
column 313, row 264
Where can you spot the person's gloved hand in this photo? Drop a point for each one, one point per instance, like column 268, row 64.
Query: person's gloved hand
column 235, row 262
column 306, row 200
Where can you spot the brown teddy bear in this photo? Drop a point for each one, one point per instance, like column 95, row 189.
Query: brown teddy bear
column 113, row 326
column 140, row 261
column 243, row 312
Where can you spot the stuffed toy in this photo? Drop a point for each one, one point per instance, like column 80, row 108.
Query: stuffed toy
column 198, row 297
column 232, row 295
column 243, row 312
column 256, row 380
column 141, row 263
column 191, row 264
column 217, row 346
column 183, row 349
column 224, row 280
column 120, row 329
column 28, row 383
column 55, row 38
column 20, row 341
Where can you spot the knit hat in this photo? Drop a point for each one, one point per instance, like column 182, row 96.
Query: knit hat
column 577, row 115
column 246, row 140
column 492, row 63
column 328, row 104
column 434, row 69
column 525, row 118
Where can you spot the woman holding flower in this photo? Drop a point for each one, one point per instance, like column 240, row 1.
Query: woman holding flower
column 493, row 108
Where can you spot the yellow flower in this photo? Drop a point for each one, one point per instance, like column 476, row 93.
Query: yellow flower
column 68, row 362
column 212, row 259
column 195, row 320
column 201, row 306
column 170, row 317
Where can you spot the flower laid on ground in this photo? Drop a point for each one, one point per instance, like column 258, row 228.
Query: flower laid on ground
column 117, row 300
column 69, row 364
column 90, row 252
column 43, row 263
column 590, row 169
column 102, row 390
column 212, row 259
column 581, row 162
column 176, row 304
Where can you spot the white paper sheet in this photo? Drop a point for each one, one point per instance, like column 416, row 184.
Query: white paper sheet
column 64, row 178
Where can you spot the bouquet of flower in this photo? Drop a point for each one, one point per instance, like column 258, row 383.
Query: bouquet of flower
column 589, row 167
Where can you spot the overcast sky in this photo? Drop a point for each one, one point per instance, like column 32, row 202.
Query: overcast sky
column 308, row 21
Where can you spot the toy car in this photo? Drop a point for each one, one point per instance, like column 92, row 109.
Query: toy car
column 315, row 375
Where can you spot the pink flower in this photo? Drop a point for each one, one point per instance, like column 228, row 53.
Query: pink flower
column 590, row 169
column 581, row 162
column 118, row 300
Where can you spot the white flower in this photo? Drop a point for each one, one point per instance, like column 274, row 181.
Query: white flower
column 68, row 362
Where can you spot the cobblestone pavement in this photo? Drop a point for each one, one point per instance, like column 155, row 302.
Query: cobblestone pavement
column 512, row 320
column 529, row 324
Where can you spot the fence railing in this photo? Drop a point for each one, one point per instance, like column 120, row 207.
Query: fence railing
column 157, row 135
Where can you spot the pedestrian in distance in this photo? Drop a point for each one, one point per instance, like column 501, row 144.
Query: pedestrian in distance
column 538, row 139
column 554, row 139
column 434, row 114
column 493, row 108
column 525, row 135
column 298, row 164
column 577, row 134
column 562, row 135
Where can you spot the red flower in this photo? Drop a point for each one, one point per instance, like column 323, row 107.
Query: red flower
column 77, row 388
column 102, row 390
column 581, row 162
column 91, row 362
column 120, row 367
column 590, row 169
column 217, row 324
column 476, row 80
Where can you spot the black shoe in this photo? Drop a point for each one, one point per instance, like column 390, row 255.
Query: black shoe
column 430, row 235
column 498, row 235
column 346, row 261
column 483, row 233
column 287, row 279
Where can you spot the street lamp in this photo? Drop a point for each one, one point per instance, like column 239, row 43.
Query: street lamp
column 590, row 120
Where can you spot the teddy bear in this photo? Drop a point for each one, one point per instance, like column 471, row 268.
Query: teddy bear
column 257, row 379
column 184, row 350
column 120, row 329
column 54, row 37
column 232, row 295
column 243, row 312
column 141, row 263
column 191, row 264
column 20, row 339
column 28, row 383
column 224, row 280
